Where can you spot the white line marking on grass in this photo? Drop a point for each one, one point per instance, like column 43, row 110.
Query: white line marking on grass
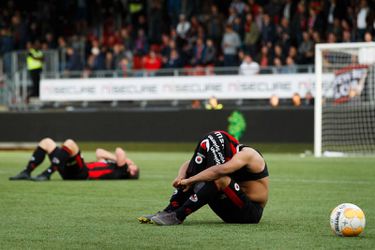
column 323, row 181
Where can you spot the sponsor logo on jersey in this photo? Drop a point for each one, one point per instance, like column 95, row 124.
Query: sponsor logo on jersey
column 199, row 158
column 217, row 150
column 205, row 144
column 193, row 198
column 55, row 160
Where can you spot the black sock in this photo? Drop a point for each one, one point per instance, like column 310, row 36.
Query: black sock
column 49, row 171
column 177, row 199
column 36, row 159
column 197, row 200
column 58, row 158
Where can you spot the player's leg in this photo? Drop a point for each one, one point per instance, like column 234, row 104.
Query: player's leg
column 233, row 206
column 203, row 195
column 58, row 157
column 225, row 198
column 74, row 167
column 45, row 146
column 211, row 150
column 197, row 163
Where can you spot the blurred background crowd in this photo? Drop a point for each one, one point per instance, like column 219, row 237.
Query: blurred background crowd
column 153, row 34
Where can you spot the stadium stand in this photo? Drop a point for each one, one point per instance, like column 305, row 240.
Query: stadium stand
column 135, row 35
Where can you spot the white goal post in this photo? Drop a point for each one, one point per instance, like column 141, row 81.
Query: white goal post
column 344, row 99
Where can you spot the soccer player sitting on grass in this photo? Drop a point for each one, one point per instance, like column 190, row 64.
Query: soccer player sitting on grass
column 68, row 161
column 230, row 177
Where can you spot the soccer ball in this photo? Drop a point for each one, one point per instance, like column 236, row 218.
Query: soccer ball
column 347, row 220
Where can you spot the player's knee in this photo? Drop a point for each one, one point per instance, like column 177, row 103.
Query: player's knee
column 222, row 182
column 72, row 145
column 47, row 144
column 120, row 156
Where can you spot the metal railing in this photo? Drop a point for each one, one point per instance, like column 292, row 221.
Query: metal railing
column 191, row 71
column 13, row 91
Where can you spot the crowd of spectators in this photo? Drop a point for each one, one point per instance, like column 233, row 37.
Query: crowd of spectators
column 134, row 34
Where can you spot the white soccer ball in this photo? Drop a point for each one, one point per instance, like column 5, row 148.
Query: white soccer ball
column 347, row 220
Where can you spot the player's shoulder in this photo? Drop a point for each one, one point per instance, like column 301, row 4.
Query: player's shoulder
column 251, row 152
column 248, row 149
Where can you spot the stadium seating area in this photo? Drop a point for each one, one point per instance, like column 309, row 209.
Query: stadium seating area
column 154, row 34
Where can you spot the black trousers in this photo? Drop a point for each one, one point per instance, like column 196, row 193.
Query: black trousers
column 35, row 79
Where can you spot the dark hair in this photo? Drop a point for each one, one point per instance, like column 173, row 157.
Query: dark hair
column 134, row 177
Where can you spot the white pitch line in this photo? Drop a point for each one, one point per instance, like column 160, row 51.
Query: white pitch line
column 322, row 181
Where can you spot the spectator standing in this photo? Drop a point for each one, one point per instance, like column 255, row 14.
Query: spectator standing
column 214, row 25
column 198, row 52
column 238, row 27
column 299, row 23
column 6, row 45
column 155, row 21
column 361, row 20
column 232, row 15
column 174, row 10
column 306, row 50
column 209, row 56
column 239, row 6
column 288, row 10
column 283, row 34
column 251, row 35
column 126, row 39
column 141, row 44
column 268, row 31
column 73, row 60
column 182, row 29
column 34, row 63
column 231, row 42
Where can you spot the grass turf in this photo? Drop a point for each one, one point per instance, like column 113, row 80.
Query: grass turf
column 102, row 214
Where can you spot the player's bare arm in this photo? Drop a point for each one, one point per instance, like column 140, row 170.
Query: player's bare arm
column 181, row 174
column 247, row 157
column 121, row 158
column 102, row 154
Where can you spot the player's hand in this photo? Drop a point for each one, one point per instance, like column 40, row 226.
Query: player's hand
column 176, row 182
column 186, row 184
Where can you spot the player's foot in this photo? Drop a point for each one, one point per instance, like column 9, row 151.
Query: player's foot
column 146, row 219
column 41, row 177
column 24, row 175
column 166, row 219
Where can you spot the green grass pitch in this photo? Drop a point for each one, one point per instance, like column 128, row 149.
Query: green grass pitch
column 102, row 214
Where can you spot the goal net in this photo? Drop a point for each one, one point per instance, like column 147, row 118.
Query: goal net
column 344, row 99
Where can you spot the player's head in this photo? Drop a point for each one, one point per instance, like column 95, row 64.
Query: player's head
column 133, row 172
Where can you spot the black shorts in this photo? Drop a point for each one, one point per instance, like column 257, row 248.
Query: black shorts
column 214, row 148
column 74, row 169
column 233, row 206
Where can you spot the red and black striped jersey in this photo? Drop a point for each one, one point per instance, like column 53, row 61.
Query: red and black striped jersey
column 106, row 170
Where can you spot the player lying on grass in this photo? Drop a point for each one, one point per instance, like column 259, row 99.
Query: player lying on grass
column 230, row 177
column 68, row 161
